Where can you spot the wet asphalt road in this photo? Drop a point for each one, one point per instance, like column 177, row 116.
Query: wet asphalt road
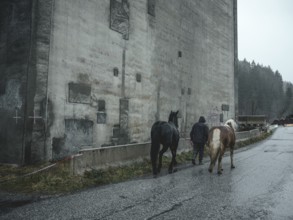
column 260, row 187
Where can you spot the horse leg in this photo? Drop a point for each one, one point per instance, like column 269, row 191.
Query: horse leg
column 213, row 155
column 154, row 166
column 155, row 147
column 175, row 150
column 173, row 161
column 174, row 157
column 220, row 161
column 165, row 148
column 231, row 156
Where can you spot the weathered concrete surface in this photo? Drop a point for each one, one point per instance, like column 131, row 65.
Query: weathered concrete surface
column 38, row 115
column 15, row 31
column 141, row 59
column 260, row 187
column 85, row 50
column 24, row 53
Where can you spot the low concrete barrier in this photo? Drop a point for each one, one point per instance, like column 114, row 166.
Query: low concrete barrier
column 100, row 158
column 244, row 135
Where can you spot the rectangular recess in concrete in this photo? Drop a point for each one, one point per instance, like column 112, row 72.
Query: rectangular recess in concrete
column 101, row 105
column 79, row 93
column 225, row 107
column 101, row 117
column 124, row 114
column 119, row 17
column 151, row 7
column 79, row 132
column 2, row 87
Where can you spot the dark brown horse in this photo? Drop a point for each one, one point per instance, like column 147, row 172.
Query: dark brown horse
column 220, row 138
column 165, row 133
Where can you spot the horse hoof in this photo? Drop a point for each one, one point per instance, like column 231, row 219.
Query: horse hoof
column 222, row 169
column 175, row 170
column 210, row 170
column 232, row 167
column 219, row 172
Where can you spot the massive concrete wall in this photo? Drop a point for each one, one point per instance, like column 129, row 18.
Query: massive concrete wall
column 106, row 70
column 38, row 106
column 201, row 81
column 25, row 38
column 15, row 29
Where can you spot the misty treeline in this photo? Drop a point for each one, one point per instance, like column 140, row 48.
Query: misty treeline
column 263, row 91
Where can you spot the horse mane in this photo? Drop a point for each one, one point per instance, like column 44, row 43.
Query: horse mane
column 232, row 124
column 173, row 118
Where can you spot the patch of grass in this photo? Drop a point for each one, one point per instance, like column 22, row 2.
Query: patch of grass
column 118, row 174
column 8, row 172
column 55, row 180
column 58, row 179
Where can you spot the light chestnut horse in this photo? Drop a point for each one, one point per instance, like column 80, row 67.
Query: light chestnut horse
column 220, row 138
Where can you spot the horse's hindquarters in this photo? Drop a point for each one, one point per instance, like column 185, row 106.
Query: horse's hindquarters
column 219, row 139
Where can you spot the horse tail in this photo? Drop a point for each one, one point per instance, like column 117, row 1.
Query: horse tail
column 217, row 152
column 214, row 146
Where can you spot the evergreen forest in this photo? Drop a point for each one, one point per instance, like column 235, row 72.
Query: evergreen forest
column 262, row 91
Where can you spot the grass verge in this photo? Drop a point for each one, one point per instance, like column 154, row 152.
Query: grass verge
column 58, row 180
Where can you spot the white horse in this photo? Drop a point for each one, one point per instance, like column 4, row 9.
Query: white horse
column 220, row 138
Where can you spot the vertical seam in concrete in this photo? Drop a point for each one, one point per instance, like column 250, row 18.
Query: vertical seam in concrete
column 51, row 34
column 48, row 71
column 158, row 100
column 123, row 73
column 27, row 78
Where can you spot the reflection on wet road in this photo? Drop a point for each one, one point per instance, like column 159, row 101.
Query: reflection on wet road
column 260, row 187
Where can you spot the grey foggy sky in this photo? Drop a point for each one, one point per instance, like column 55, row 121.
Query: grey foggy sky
column 265, row 34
